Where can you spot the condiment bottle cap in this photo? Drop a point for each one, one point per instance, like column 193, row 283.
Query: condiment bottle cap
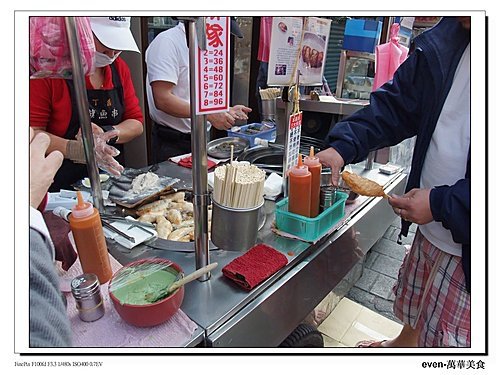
column 311, row 159
column 82, row 208
column 300, row 169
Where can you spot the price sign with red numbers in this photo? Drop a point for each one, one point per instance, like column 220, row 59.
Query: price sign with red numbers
column 293, row 140
column 212, row 68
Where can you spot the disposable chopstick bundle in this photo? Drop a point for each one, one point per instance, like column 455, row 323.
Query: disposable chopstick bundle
column 269, row 93
column 239, row 185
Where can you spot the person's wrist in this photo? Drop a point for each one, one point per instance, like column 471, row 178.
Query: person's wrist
column 74, row 151
column 113, row 140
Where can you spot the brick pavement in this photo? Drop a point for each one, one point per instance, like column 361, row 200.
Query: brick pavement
column 374, row 289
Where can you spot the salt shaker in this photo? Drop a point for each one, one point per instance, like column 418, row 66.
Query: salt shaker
column 327, row 196
column 87, row 293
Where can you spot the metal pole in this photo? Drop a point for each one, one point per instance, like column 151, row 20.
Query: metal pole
column 83, row 111
column 289, row 107
column 199, row 157
column 288, row 113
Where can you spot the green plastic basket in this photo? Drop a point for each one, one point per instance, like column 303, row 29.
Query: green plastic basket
column 307, row 228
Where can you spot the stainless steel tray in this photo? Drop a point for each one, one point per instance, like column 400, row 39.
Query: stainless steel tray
column 221, row 148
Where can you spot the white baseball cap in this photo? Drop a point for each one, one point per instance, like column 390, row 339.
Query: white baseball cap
column 114, row 32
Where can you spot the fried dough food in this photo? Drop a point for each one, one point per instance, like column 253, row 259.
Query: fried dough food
column 363, row 186
column 172, row 217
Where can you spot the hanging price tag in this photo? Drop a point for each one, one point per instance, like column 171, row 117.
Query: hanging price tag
column 212, row 68
column 293, row 141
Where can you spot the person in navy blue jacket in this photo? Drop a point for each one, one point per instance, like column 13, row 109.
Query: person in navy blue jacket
column 429, row 97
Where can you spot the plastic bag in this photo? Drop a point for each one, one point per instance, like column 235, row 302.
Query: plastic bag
column 49, row 47
column 388, row 57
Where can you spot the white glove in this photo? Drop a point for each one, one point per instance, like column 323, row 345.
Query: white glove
column 105, row 154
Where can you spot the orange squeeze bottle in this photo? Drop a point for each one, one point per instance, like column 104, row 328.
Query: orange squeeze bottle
column 299, row 189
column 85, row 223
column 314, row 166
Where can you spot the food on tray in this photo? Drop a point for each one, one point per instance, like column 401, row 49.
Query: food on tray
column 145, row 181
column 363, row 186
column 163, row 227
column 254, row 129
column 181, row 234
column 162, row 204
column 134, row 187
column 226, row 147
column 172, row 216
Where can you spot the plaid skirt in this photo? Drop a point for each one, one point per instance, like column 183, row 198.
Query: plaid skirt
column 441, row 309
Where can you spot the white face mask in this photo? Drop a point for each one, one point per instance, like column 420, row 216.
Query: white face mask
column 101, row 59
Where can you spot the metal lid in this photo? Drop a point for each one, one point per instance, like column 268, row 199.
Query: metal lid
column 85, row 285
column 327, row 191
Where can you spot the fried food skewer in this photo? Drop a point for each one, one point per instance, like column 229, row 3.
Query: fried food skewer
column 363, row 186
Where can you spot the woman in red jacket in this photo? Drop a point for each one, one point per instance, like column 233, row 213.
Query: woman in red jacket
column 113, row 104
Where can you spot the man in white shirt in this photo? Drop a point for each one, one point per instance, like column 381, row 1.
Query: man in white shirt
column 167, row 59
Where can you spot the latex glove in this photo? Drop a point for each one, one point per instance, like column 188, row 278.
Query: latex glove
column 105, row 154
column 331, row 158
column 42, row 168
column 414, row 206
column 96, row 129
column 239, row 112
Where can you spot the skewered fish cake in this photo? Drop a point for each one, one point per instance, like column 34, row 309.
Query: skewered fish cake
column 174, row 216
column 363, row 186
column 163, row 227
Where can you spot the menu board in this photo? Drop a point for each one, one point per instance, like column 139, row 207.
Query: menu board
column 313, row 50
column 286, row 33
column 212, row 68
column 293, row 140
column 298, row 45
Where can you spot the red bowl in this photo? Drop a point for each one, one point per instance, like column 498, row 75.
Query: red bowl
column 150, row 314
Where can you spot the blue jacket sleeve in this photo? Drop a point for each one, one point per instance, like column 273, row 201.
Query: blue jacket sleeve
column 394, row 112
column 450, row 205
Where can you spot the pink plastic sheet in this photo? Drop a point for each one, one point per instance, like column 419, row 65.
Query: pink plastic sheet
column 111, row 331
column 49, row 47
column 388, row 57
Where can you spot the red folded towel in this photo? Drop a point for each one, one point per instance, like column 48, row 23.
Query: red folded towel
column 187, row 162
column 256, row 265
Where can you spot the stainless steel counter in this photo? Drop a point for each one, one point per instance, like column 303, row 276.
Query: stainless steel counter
column 342, row 107
column 263, row 317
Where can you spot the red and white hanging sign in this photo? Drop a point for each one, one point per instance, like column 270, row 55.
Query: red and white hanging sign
column 212, row 68
column 293, row 140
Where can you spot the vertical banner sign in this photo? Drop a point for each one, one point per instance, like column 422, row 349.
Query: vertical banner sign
column 212, row 68
column 293, row 141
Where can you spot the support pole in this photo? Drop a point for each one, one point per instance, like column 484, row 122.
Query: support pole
column 83, row 111
column 199, row 157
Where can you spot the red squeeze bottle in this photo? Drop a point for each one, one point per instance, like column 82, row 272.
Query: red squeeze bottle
column 85, row 223
column 314, row 166
column 299, row 189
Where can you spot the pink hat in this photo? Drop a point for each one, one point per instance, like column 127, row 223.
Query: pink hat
column 114, row 33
